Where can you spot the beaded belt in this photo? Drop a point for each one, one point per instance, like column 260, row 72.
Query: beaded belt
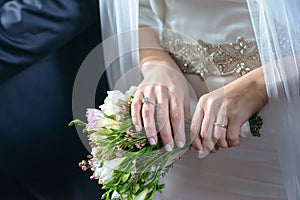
column 237, row 58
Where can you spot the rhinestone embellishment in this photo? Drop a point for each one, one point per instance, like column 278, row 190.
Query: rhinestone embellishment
column 236, row 58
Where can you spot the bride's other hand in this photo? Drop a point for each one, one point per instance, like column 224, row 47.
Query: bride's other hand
column 221, row 113
column 167, row 92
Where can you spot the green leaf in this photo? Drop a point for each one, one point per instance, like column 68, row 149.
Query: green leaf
column 78, row 122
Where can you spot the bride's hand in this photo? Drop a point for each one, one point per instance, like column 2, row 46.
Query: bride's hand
column 167, row 91
column 220, row 114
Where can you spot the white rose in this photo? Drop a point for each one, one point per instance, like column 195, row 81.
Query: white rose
column 110, row 106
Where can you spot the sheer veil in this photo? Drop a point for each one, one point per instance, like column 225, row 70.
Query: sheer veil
column 119, row 27
column 277, row 29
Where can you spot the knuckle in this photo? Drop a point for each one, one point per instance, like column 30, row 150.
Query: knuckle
column 202, row 100
column 223, row 145
column 165, row 135
column 160, row 90
column 176, row 115
column 134, row 118
column 149, row 130
column 234, row 114
column 146, row 111
column 166, row 138
column 233, row 139
column 203, row 136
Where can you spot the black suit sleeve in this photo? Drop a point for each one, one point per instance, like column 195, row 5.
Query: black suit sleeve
column 31, row 29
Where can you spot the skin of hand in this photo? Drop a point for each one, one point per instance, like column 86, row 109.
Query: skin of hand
column 231, row 105
column 167, row 88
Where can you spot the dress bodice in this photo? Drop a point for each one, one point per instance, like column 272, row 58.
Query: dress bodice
column 213, row 21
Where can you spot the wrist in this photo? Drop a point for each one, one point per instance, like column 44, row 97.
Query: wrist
column 258, row 81
column 160, row 71
column 157, row 66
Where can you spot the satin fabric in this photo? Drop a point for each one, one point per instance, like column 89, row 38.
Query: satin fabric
column 250, row 171
column 271, row 19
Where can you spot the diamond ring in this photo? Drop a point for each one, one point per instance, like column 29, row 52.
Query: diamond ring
column 146, row 100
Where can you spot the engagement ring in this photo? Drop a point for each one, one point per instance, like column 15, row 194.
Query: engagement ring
column 146, row 100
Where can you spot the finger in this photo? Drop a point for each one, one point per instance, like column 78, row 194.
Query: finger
column 177, row 120
column 148, row 121
column 195, row 128
column 215, row 149
column 164, row 126
column 233, row 132
column 163, row 121
column 222, row 142
column 219, row 134
column 206, row 133
column 136, row 106
column 187, row 108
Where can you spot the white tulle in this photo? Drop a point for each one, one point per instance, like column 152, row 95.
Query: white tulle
column 119, row 25
column 277, row 28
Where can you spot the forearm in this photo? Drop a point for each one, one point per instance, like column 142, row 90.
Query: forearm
column 252, row 81
column 152, row 52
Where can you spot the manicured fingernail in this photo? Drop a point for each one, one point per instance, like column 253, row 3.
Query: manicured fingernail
column 200, row 150
column 180, row 144
column 168, row 148
column 201, row 153
column 152, row 141
column 138, row 128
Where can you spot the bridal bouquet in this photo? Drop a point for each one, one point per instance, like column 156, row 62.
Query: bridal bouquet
column 122, row 160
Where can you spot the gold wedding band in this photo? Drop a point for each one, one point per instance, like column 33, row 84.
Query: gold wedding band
column 146, row 100
column 220, row 125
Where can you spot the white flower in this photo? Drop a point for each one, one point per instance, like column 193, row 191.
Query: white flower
column 115, row 96
column 110, row 106
column 106, row 174
column 142, row 195
column 115, row 195
column 97, row 172
column 106, row 171
column 94, row 152
column 131, row 91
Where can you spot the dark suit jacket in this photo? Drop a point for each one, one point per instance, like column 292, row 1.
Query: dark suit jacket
column 42, row 44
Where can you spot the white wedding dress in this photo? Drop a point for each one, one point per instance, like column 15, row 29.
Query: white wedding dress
column 250, row 171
